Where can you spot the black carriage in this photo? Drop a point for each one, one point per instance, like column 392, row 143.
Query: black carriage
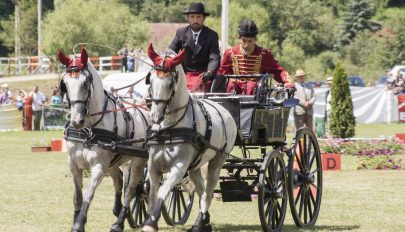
column 262, row 125
column 262, row 120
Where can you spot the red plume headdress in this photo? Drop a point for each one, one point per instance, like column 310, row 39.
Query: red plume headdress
column 77, row 62
column 169, row 62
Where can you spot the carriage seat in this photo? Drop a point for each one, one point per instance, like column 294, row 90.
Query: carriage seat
column 241, row 108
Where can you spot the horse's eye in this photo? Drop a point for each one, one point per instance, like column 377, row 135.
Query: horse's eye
column 74, row 74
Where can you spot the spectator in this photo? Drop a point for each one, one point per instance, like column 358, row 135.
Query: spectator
column 201, row 47
column 399, row 82
column 20, row 99
column 38, row 100
column 56, row 98
column 303, row 112
column 5, row 95
column 328, row 106
column 131, row 60
column 124, row 58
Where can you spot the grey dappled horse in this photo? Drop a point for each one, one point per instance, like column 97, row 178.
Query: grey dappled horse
column 92, row 111
column 173, row 114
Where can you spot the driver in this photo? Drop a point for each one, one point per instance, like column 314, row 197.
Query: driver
column 249, row 58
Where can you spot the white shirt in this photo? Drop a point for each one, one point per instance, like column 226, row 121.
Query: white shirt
column 38, row 100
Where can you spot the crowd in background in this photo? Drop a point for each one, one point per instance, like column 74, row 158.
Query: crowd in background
column 31, row 104
column 128, row 58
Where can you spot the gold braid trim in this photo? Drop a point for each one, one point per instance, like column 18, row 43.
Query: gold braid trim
column 235, row 64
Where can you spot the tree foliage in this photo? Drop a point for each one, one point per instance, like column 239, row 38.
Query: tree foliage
column 342, row 120
column 28, row 29
column 357, row 18
column 77, row 21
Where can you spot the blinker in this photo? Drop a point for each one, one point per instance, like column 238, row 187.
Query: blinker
column 147, row 78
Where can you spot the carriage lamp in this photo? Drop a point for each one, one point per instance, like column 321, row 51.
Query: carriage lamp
column 279, row 95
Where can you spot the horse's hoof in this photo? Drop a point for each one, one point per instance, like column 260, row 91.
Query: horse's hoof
column 116, row 228
column 77, row 230
column 204, row 228
column 147, row 228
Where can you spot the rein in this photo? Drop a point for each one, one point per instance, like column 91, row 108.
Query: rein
column 142, row 106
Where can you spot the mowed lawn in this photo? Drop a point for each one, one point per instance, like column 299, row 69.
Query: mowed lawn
column 36, row 193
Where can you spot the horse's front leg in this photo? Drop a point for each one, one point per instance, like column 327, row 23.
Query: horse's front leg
column 134, row 176
column 154, row 176
column 176, row 175
column 97, row 174
column 116, row 176
column 78, row 185
column 211, row 173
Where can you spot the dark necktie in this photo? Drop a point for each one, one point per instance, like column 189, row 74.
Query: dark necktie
column 195, row 35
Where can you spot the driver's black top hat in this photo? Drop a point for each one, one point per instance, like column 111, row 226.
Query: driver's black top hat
column 196, row 8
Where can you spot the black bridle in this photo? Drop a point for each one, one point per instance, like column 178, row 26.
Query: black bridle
column 88, row 84
column 174, row 77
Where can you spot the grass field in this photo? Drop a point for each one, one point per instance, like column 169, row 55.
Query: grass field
column 36, row 195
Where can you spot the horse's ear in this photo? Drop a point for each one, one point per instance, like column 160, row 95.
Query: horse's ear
column 156, row 59
column 84, row 57
column 178, row 58
column 63, row 58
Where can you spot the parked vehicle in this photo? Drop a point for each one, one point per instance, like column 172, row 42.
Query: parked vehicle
column 393, row 72
column 356, row 81
column 316, row 84
column 381, row 82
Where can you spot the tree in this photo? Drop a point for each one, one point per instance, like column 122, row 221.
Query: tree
column 356, row 19
column 342, row 120
column 28, row 33
column 111, row 25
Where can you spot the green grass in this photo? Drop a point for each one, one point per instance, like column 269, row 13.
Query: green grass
column 37, row 190
column 379, row 130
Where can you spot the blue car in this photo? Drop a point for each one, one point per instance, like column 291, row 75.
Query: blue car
column 356, row 81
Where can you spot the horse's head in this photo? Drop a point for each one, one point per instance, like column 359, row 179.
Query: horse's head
column 76, row 84
column 163, row 82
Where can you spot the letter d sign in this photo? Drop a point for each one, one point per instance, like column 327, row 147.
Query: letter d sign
column 330, row 161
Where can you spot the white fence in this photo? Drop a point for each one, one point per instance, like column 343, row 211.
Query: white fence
column 34, row 65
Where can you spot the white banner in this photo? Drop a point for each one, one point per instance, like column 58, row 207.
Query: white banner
column 371, row 104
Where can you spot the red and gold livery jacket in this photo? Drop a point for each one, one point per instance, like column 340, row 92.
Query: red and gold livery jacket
column 260, row 61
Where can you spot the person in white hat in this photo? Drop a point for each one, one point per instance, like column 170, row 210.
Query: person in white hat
column 303, row 112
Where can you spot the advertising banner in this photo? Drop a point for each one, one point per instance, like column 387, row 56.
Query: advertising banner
column 55, row 117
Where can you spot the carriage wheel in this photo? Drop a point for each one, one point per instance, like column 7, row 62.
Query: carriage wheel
column 178, row 204
column 272, row 192
column 305, row 178
column 139, row 205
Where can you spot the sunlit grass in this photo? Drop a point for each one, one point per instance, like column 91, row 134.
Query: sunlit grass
column 37, row 191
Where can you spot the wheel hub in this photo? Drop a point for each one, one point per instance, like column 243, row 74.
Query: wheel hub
column 308, row 178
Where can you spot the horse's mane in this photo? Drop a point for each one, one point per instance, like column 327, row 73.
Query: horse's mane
column 92, row 69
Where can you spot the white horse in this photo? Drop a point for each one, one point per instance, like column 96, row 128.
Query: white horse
column 174, row 113
column 95, row 117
